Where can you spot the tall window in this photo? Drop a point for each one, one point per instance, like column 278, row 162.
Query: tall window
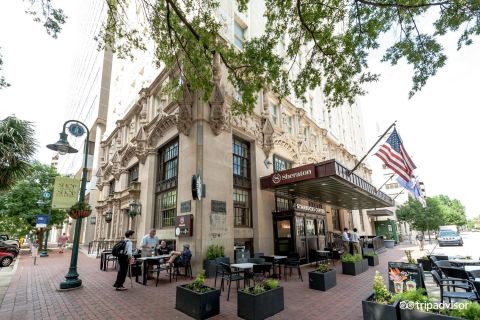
column 274, row 112
column 280, row 164
column 241, row 183
column 166, row 187
column 111, row 187
column 133, row 174
column 290, row 125
column 336, row 219
column 239, row 35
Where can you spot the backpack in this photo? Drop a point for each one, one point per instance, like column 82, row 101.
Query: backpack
column 119, row 249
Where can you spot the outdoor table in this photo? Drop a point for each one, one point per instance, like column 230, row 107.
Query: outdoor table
column 465, row 262
column 243, row 266
column 474, row 271
column 145, row 266
column 103, row 259
column 323, row 254
column 276, row 259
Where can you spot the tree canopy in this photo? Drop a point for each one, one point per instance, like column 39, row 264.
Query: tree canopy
column 440, row 210
column 18, row 206
column 17, row 147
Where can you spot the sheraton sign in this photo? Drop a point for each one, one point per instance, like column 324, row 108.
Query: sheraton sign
column 293, row 175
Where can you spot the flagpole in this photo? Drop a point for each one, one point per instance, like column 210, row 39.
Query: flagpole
column 381, row 137
column 390, row 178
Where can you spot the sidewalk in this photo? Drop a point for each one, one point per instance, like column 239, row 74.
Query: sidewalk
column 32, row 293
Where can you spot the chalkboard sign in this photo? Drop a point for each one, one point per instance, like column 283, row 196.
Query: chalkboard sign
column 404, row 276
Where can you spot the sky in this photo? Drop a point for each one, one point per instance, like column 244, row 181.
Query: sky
column 438, row 125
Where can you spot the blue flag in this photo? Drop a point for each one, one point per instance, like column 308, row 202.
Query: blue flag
column 412, row 187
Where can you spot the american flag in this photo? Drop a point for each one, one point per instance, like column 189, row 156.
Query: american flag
column 394, row 155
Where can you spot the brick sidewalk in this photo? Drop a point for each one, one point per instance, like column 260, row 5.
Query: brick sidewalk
column 32, row 293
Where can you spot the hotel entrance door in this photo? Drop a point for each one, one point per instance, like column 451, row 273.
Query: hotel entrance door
column 283, row 229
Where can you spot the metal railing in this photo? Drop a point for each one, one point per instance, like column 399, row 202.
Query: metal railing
column 97, row 246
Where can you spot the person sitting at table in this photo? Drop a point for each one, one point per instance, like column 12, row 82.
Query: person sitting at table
column 180, row 258
column 164, row 248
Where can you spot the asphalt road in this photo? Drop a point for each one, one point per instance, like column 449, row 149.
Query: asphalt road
column 471, row 246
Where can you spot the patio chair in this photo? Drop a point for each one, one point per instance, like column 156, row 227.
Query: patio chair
column 256, row 260
column 219, row 269
column 110, row 258
column 467, row 295
column 455, row 276
column 186, row 264
column 257, row 274
column 293, row 262
column 169, row 269
column 230, row 276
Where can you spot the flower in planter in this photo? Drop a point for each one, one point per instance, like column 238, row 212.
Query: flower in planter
column 80, row 210
column 266, row 285
column 323, row 267
column 199, row 284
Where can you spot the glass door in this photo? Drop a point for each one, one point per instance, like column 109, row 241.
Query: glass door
column 283, row 229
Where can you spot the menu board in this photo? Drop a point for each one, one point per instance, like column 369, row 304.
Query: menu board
column 404, row 276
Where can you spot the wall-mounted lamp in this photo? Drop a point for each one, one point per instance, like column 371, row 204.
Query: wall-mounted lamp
column 134, row 208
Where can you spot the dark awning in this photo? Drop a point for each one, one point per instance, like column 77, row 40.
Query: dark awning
column 380, row 213
column 327, row 182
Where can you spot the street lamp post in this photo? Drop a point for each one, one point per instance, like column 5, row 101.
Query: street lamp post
column 44, row 252
column 77, row 129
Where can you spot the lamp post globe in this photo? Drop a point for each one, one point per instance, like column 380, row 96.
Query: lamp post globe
column 72, row 280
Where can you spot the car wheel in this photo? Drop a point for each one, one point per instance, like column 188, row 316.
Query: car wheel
column 6, row 261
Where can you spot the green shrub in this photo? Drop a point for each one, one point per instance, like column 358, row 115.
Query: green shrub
column 380, row 291
column 348, row 258
column 215, row 251
column 199, row 284
column 417, row 295
column 408, row 253
column 370, row 254
column 266, row 285
column 323, row 267
column 470, row 312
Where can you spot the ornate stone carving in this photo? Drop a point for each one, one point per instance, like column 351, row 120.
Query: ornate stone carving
column 107, row 171
column 185, row 112
column 250, row 125
column 99, row 183
column 267, row 131
column 143, row 102
column 141, row 141
column 288, row 145
column 218, row 111
column 128, row 154
column 161, row 126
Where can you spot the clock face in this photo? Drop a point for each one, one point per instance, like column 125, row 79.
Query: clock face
column 177, row 231
column 76, row 130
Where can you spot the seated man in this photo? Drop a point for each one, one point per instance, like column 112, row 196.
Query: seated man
column 164, row 249
column 179, row 258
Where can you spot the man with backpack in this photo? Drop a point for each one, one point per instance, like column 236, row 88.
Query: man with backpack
column 123, row 251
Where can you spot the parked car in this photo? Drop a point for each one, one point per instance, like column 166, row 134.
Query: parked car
column 6, row 259
column 449, row 237
column 7, row 240
column 12, row 249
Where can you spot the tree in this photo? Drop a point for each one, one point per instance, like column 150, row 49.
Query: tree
column 17, row 147
column 453, row 211
column 337, row 37
column 18, row 206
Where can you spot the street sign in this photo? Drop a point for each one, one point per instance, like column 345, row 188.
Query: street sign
column 46, row 195
column 42, row 221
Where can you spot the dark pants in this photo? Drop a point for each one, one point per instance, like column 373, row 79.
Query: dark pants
column 122, row 273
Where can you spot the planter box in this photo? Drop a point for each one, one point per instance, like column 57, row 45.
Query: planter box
column 354, row 268
column 372, row 260
column 322, row 281
column 377, row 311
column 426, row 264
column 410, row 314
column 210, row 266
column 260, row 306
column 198, row 305
column 389, row 243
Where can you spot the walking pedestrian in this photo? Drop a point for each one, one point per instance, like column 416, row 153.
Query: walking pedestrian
column 62, row 242
column 123, row 261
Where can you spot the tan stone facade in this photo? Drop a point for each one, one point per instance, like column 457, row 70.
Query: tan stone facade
column 204, row 132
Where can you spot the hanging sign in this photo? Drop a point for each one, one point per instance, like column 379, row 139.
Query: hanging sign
column 65, row 192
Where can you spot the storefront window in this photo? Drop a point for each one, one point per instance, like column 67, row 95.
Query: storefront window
column 166, row 190
column 280, row 164
column 336, row 219
column 284, row 229
column 321, row 226
column 310, row 227
column 300, row 226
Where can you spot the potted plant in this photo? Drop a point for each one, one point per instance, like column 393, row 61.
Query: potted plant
column 353, row 264
column 261, row 301
column 372, row 258
column 215, row 254
column 80, row 210
column 389, row 242
column 323, row 278
column 425, row 262
column 470, row 311
column 414, row 305
column 380, row 304
column 198, row 300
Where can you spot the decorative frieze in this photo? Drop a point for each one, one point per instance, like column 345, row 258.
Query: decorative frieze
column 185, row 120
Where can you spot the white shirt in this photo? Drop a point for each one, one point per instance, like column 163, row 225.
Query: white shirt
column 355, row 237
column 345, row 236
column 150, row 242
column 128, row 246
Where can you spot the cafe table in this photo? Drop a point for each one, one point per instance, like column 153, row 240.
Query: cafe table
column 465, row 262
column 276, row 259
column 474, row 271
column 242, row 266
column 145, row 261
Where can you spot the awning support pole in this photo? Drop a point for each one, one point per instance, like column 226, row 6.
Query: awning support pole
column 381, row 137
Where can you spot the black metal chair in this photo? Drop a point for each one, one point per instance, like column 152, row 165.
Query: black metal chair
column 256, row 260
column 293, row 262
column 168, row 268
column 257, row 274
column 110, row 258
column 258, row 255
column 273, row 265
column 219, row 268
column 185, row 263
column 230, row 276
column 471, row 294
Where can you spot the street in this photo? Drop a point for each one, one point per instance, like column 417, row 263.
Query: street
column 471, row 246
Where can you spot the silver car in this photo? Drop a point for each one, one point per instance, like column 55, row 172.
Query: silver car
column 449, row 237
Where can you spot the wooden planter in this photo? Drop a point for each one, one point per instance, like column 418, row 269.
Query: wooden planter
column 377, row 311
column 372, row 260
column 354, row 268
column 79, row 214
column 322, row 281
column 411, row 314
column 260, row 306
column 198, row 305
